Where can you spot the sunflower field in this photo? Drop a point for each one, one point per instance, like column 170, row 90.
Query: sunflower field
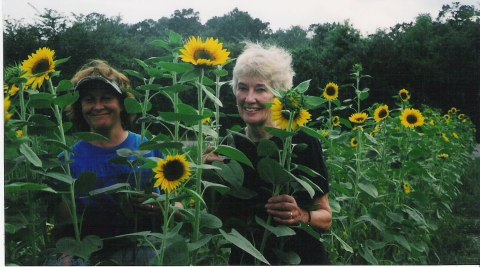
column 394, row 168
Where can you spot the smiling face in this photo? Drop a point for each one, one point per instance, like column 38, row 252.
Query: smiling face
column 101, row 109
column 252, row 95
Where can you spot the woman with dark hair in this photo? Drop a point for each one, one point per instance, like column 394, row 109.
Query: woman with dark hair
column 100, row 109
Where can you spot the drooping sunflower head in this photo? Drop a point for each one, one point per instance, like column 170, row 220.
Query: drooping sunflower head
column 381, row 113
column 453, row 110
column 358, row 118
column 331, row 91
column 461, row 116
column 293, row 100
column 407, row 189
column 353, row 142
column 442, row 156
column 209, row 53
column 404, row 95
column 19, row 133
column 412, row 118
column 171, row 172
column 336, row 121
column 38, row 67
column 281, row 116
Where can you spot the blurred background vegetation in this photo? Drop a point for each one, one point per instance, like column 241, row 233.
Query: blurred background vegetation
column 436, row 59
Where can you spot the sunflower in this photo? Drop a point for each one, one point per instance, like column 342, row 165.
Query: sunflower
column 406, row 188
column 455, row 135
column 358, row 118
column 38, row 67
column 453, row 110
column 411, row 118
column 208, row 53
column 171, row 172
column 6, row 107
column 404, row 95
column 207, row 121
column 461, row 116
column 336, row 121
column 19, row 133
column 324, row 133
column 381, row 113
column 353, row 142
column 13, row 90
column 331, row 91
column 447, row 117
column 445, row 137
column 442, row 156
column 282, row 117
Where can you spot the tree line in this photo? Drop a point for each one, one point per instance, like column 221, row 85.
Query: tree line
column 436, row 59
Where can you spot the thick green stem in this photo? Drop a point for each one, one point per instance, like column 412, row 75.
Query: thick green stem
column 165, row 227
column 217, row 110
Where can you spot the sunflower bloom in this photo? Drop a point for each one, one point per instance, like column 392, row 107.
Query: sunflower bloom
column 353, row 142
column 381, row 113
column 38, row 67
column 6, row 107
column 324, row 133
column 358, row 118
column 447, row 117
column 336, row 121
column 445, row 137
column 412, row 118
column 19, row 133
column 171, row 172
column 208, row 53
column 455, row 135
column 331, row 91
column 453, row 110
column 13, row 90
column 404, row 95
column 281, row 117
column 407, row 189
column 461, row 116
column 207, row 121
column 442, row 156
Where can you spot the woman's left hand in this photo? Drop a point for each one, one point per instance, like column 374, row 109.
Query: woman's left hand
column 285, row 210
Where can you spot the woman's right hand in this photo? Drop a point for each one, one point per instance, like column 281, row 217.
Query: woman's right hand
column 210, row 157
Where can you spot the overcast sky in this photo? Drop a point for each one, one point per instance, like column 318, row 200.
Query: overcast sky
column 365, row 15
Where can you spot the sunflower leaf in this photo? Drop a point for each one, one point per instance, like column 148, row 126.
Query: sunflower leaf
column 303, row 86
column 211, row 96
column 278, row 231
column 90, row 136
column 176, row 67
column 19, row 187
column 30, row 155
column 234, row 154
column 238, row 240
column 132, row 106
column 65, row 100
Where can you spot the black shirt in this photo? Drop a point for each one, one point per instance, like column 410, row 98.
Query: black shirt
column 238, row 211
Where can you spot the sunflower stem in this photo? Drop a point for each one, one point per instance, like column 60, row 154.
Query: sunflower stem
column 165, row 227
column 196, row 226
column 217, row 109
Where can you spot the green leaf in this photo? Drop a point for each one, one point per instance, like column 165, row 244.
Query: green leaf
column 367, row 218
column 372, row 139
column 58, row 144
column 60, row 177
column 64, row 85
column 109, row 189
column 271, row 171
column 238, row 240
column 400, row 239
column 234, row 154
column 211, row 96
column 176, row 253
column 90, row 136
column 18, row 187
column 231, row 172
column 204, row 239
column 176, row 67
column 306, row 185
column 195, row 196
column 177, row 88
column 30, row 155
column 267, row 147
column 132, row 106
column 65, row 100
column 345, row 246
column 369, row 189
column 40, row 100
column 141, row 63
column 395, row 216
column 289, row 258
column 313, row 102
column 134, row 73
column 222, row 189
column 278, row 231
column 311, row 132
column 210, row 221
column 279, row 133
column 172, row 117
column 60, row 61
column 82, row 249
column 41, row 120
column 149, row 87
column 190, row 75
column 85, row 183
column 362, row 95
column 160, row 43
column 303, row 86
column 152, row 145
column 368, row 256
column 220, row 72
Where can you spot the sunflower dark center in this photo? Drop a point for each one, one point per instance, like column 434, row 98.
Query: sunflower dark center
column 359, row 119
column 412, row 119
column 382, row 114
column 203, row 54
column 41, row 66
column 174, row 170
column 286, row 114
column 403, row 95
column 330, row 91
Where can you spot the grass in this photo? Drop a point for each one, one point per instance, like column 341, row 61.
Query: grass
column 458, row 241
